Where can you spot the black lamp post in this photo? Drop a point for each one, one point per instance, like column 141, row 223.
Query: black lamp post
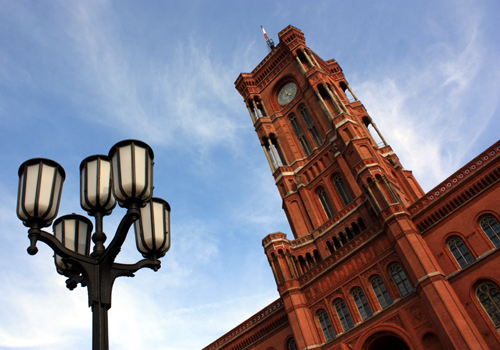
column 126, row 176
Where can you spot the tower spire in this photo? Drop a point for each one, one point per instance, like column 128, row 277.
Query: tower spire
column 270, row 42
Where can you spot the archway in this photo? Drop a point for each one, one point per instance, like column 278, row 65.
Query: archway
column 388, row 342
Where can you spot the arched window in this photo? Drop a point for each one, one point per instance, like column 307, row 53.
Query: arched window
column 325, row 202
column 363, row 307
column 492, row 229
column 343, row 313
column 326, row 325
column 399, row 277
column 292, row 345
column 310, row 126
column 361, row 224
column 383, row 296
column 342, row 189
column 300, row 135
column 330, row 247
column 460, row 252
column 489, row 297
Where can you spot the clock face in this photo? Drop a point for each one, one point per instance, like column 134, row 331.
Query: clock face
column 287, row 94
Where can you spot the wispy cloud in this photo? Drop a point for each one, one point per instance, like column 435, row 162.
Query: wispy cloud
column 424, row 104
column 182, row 96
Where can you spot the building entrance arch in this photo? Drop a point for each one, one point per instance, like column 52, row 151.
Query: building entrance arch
column 385, row 341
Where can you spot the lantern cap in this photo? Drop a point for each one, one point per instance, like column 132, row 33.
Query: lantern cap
column 161, row 200
column 127, row 142
column 45, row 161
column 74, row 216
column 91, row 158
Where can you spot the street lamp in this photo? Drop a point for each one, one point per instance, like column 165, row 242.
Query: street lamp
column 124, row 176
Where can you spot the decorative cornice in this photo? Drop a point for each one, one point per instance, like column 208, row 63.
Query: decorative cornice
column 455, row 180
column 250, row 323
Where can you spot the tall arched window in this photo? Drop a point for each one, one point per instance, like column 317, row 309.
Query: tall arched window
column 363, row 307
column 310, row 126
column 491, row 227
column 325, row 202
column 342, row 189
column 326, row 325
column 383, row 296
column 292, row 345
column 399, row 277
column 300, row 135
column 489, row 297
column 460, row 252
column 343, row 313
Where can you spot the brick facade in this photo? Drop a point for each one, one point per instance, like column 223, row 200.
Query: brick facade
column 374, row 263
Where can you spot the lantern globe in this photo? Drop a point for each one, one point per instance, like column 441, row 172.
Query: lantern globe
column 74, row 232
column 132, row 172
column 39, row 195
column 96, row 193
column 152, row 230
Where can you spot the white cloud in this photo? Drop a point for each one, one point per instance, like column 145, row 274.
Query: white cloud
column 424, row 105
column 182, row 96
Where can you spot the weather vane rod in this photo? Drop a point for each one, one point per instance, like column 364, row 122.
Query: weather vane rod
column 270, row 42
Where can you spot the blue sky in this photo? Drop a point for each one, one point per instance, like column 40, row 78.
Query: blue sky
column 76, row 77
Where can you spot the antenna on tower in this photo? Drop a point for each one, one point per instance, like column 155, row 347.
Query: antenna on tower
column 270, row 42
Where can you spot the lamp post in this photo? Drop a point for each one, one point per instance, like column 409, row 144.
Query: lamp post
column 124, row 176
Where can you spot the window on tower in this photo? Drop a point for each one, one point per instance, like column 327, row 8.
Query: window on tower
column 325, row 202
column 311, row 126
column 300, row 135
column 342, row 189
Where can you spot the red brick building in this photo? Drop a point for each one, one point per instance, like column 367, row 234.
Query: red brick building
column 374, row 262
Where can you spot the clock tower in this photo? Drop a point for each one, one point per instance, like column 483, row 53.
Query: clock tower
column 324, row 150
column 357, row 266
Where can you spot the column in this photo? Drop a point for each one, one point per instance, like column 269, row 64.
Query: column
column 314, row 59
column 391, row 189
column 302, row 69
column 325, row 108
column 252, row 115
column 307, row 57
column 352, row 93
column 338, row 98
column 256, row 109
column 273, row 169
column 372, row 199
column 378, row 132
column 334, row 101
column 381, row 192
column 263, row 108
column 277, row 160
